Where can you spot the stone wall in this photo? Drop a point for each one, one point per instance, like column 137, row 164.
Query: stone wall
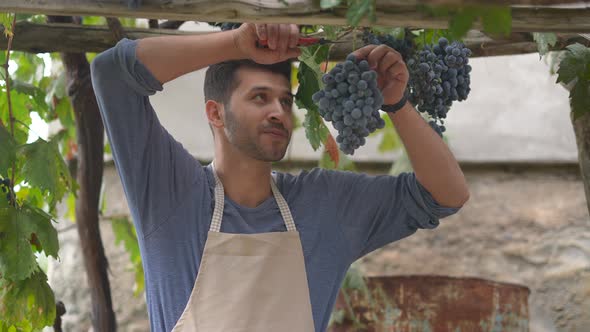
column 524, row 225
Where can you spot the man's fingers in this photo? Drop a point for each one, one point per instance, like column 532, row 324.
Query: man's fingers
column 261, row 31
column 293, row 53
column 284, row 36
column 399, row 71
column 363, row 52
column 377, row 55
column 273, row 34
column 294, row 35
column 388, row 60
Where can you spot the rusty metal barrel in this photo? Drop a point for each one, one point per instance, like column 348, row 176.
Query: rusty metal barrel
column 432, row 304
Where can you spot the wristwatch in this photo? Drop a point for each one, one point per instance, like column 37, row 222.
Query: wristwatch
column 392, row 108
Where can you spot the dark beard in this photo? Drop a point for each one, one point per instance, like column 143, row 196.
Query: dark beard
column 247, row 144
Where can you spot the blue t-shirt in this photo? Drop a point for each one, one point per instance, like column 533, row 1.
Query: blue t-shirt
column 341, row 216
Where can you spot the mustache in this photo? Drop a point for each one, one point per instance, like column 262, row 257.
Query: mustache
column 275, row 126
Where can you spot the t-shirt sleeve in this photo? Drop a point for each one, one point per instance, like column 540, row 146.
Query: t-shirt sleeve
column 373, row 211
column 154, row 168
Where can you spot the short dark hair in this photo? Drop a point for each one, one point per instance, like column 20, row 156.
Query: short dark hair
column 220, row 78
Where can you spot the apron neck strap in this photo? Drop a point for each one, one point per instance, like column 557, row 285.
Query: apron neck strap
column 220, row 201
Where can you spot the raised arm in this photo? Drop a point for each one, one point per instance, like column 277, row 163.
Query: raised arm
column 169, row 57
column 433, row 162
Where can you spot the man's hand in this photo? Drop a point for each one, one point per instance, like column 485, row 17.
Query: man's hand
column 282, row 42
column 392, row 73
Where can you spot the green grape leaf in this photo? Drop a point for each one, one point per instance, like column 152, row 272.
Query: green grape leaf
column 569, row 69
column 544, row 40
column 29, row 300
column 33, row 196
column 41, row 229
column 312, row 57
column 579, row 51
column 17, row 260
column 315, row 129
column 7, row 151
column 21, row 106
column 45, row 168
column 37, row 95
column 574, row 70
column 125, row 232
column 580, row 98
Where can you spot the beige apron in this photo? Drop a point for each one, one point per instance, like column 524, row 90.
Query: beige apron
column 249, row 282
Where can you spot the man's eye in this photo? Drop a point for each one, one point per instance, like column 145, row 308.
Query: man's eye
column 287, row 102
column 259, row 97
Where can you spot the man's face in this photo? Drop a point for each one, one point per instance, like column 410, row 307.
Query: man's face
column 259, row 117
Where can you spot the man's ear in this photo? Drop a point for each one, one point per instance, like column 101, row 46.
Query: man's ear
column 214, row 111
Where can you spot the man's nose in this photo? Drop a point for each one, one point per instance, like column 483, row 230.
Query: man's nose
column 279, row 113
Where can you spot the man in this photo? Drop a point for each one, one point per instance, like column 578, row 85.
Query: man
column 228, row 246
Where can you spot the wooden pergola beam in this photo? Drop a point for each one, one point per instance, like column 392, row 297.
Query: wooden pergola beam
column 561, row 16
column 59, row 37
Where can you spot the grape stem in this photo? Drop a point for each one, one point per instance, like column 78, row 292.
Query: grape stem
column 12, row 119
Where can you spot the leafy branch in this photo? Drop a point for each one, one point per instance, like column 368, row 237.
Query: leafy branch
column 27, row 302
column 10, row 34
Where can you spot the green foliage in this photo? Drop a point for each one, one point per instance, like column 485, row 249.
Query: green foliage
column 390, row 140
column 31, row 67
column 431, row 36
column 125, row 232
column 6, row 23
column 495, row 19
column 7, row 151
column 544, row 40
column 21, row 111
column 358, row 9
column 41, row 179
column 29, row 303
column 44, row 167
column 574, row 71
column 17, row 259
column 24, row 230
column 309, row 77
column 100, row 20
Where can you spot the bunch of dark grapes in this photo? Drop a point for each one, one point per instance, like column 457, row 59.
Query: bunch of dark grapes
column 439, row 75
column 351, row 100
column 404, row 46
column 5, row 187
